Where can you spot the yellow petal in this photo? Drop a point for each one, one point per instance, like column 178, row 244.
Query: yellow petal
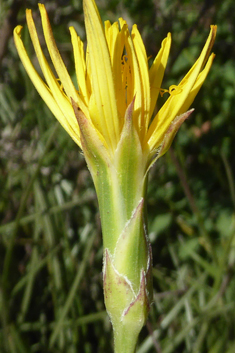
column 58, row 94
column 133, row 79
column 179, row 97
column 80, row 65
column 116, row 46
column 144, row 76
column 157, row 70
column 41, row 87
column 109, row 36
column 58, row 62
column 88, row 72
column 199, row 82
column 104, row 112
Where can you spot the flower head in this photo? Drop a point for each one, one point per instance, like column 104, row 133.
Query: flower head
column 113, row 72
column 109, row 115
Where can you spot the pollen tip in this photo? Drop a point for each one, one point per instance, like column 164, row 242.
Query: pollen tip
column 18, row 29
column 213, row 31
column 71, row 29
column 42, row 7
column 214, row 27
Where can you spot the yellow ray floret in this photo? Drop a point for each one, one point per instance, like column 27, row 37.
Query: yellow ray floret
column 181, row 96
column 112, row 73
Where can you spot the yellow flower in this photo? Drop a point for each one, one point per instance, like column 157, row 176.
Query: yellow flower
column 109, row 115
column 114, row 70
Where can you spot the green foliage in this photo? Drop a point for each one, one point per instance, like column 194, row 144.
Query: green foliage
column 51, row 297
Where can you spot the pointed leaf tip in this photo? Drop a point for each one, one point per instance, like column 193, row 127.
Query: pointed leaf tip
column 80, row 116
column 138, row 309
column 127, row 259
column 169, row 136
column 93, row 143
column 118, row 291
column 171, row 132
column 129, row 110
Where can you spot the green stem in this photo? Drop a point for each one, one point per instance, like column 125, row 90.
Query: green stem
column 124, row 340
column 120, row 179
column 121, row 189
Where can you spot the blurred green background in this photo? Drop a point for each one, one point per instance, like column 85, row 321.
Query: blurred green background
column 51, row 297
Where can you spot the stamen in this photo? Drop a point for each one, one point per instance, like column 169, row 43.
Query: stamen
column 174, row 90
column 162, row 91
